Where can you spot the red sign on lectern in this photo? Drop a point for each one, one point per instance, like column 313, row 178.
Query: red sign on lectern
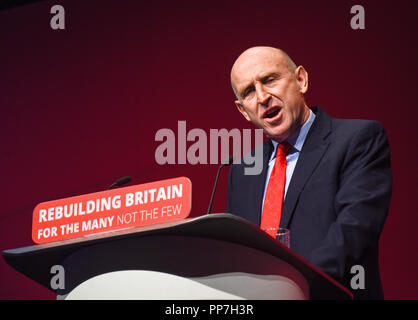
column 133, row 206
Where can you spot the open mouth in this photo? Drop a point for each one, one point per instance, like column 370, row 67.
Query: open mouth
column 271, row 112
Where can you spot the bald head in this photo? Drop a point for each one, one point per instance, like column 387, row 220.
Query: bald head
column 270, row 91
column 252, row 55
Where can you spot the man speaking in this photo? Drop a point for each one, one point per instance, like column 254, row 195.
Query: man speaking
column 327, row 180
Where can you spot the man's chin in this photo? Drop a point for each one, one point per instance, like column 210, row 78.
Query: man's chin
column 277, row 137
column 278, row 133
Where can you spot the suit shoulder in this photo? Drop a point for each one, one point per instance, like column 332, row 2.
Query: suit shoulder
column 357, row 128
column 356, row 124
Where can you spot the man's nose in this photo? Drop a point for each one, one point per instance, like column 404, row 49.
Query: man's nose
column 263, row 96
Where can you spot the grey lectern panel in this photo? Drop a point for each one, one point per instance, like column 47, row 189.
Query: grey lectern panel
column 204, row 269
column 190, row 248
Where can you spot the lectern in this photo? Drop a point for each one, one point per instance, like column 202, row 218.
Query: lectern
column 216, row 256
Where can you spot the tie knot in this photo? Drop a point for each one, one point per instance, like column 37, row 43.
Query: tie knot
column 284, row 147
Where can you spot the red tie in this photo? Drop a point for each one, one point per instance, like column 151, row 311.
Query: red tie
column 273, row 200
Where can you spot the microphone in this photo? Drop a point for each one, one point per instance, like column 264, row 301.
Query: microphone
column 229, row 162
column 119, row 182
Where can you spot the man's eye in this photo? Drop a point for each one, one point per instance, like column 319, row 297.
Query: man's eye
column 247, row 91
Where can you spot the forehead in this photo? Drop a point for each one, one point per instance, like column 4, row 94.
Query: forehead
column 256, row 65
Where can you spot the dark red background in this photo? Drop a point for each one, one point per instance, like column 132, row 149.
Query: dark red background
column 80, row 107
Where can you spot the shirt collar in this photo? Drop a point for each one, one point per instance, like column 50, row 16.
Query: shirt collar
column 298, row 138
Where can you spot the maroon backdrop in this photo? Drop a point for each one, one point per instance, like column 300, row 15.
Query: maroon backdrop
column 80, row 107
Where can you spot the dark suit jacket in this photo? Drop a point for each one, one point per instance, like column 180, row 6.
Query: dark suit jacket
column 337, row 200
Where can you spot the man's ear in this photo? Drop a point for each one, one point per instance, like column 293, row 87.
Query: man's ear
column 302, row 78
column 242, row 110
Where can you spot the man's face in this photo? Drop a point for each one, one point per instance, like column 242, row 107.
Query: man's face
column 270, row 95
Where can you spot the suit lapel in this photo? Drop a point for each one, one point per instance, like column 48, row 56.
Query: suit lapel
column 258, row 183
column 312, row 152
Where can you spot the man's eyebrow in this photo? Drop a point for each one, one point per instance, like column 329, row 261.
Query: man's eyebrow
column 271, row 74
column 246, row 88
column 262, row 78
